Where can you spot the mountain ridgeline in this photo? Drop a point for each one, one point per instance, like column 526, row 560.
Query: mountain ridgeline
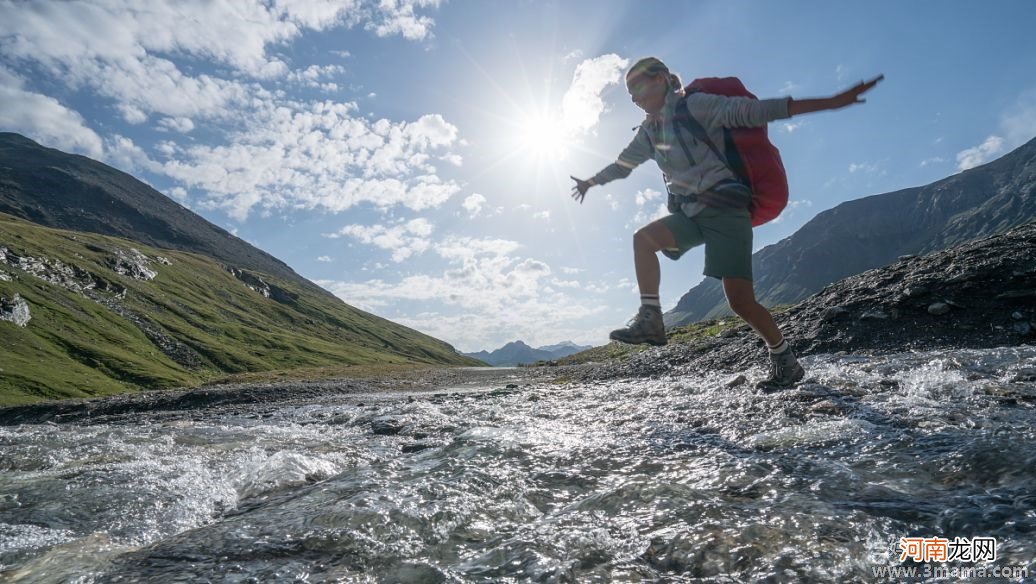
column 866, row 233
column 518, row 353
column 108, row 286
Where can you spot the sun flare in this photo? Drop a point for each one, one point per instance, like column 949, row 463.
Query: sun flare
column 541, row 137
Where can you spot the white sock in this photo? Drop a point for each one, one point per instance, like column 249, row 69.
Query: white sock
column 779, row 348
column 650, row 300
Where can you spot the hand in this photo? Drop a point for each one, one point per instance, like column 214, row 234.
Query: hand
column 579, row 191
column 852, row 95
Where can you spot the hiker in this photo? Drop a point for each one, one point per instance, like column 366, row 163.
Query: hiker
column 709, row 204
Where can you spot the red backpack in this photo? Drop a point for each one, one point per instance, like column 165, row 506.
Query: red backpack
column 747, row 151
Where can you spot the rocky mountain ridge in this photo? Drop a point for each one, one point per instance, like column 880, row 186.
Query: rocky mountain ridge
column 980, row 294
column 866, row 233
column 518, row 353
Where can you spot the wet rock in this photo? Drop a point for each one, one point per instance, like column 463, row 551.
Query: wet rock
column 906, row 257
column 874, row 314
column 417, row 446
column 15, row 310
column 827, row 408
column 915, row 291
column 737, row 381
column 1016, row 295
column 1022, row 328
column 1017, row 315
column 833, row 312
column 1026, row 374
column 938, row 308
column 387, row 425
column 132, row 263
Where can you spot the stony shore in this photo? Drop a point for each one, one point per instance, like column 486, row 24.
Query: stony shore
column 979, row 295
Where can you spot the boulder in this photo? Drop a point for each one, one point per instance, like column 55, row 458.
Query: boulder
column 15, row 310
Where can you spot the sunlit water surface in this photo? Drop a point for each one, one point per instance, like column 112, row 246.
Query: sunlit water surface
column 678, row 479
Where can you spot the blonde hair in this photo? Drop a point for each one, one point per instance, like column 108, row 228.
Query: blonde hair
column 652, row 67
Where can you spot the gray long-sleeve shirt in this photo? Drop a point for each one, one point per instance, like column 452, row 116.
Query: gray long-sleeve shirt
column 656, row 140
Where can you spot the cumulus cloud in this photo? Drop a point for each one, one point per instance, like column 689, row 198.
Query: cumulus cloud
column 399, row 17
column 582, row 105
column 403, row 240
column 980, row 154
column 325, row 259
column 1017, row 126
column 182, row 125
column 473, row 204
column 44, row 119
column 500, row 294
column 320, row 156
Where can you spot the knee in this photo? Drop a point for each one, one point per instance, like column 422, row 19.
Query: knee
column 740, row 304
column 642, row 240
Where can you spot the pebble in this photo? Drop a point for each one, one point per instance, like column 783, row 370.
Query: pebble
column 736, row 381
column 833, row 312
column 874, row 315
column 938, row 308
column 915, row 291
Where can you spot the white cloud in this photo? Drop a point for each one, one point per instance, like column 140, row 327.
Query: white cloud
column 544, row 215
column 863, row 167
column 791, row 127
column 612, row 202
column 500, row 294
column 123, row 49
column 44, row 119
column 789, row 88
column 473, row 204
column 403, row 240
column 582, row 105
column 325, row 259
column 182, row 125
column 980, row 154
column 398, row 17
column 319, row 155
column 646, row 196
column 841, row 73
column 1017, row 126
column 932, row 160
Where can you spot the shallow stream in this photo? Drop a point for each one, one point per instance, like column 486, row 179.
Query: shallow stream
column 675, row 479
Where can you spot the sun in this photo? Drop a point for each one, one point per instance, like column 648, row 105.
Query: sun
column 540, row 136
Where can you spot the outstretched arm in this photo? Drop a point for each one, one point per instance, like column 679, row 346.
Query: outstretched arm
column 846, row 98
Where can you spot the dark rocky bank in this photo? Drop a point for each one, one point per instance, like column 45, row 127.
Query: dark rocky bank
column 978, row 295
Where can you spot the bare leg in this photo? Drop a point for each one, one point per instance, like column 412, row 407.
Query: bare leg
column 646, row 243
column 741, row 298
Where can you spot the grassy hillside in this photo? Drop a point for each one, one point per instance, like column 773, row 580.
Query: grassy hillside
column 94, row 331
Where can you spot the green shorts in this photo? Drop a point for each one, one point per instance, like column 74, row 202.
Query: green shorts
column 727, row 235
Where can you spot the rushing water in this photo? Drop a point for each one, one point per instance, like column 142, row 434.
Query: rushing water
column 679, row 479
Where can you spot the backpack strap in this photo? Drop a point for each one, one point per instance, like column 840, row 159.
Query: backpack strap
column 684, row 118
column 731, row 157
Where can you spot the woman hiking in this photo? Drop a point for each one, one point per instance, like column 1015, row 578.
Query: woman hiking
column 708, row 203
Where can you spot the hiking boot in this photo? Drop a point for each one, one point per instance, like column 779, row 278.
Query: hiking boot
column 785, row 371
column 646, row 327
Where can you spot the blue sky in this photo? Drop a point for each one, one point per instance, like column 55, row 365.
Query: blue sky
column 412, row 155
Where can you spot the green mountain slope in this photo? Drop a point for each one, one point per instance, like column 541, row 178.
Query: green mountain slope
column 99, row 326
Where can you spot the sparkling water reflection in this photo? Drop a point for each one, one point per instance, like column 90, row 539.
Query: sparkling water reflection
column 678, row 479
